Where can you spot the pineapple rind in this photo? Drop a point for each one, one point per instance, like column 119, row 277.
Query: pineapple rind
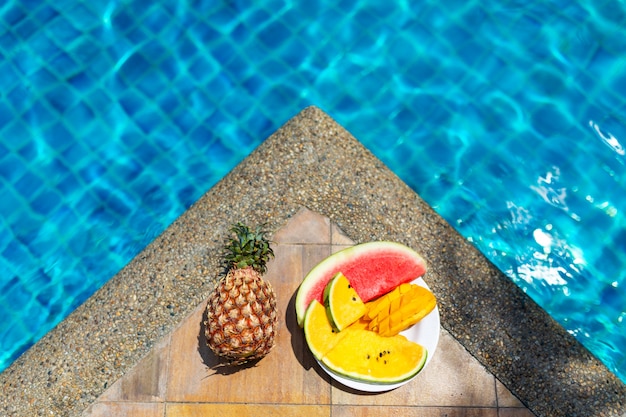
column 242, row 318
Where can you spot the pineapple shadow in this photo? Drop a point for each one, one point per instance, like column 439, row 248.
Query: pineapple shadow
column 213, row 362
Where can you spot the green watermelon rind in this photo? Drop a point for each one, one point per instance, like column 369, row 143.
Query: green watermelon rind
column 325, row 297
column 319, row 276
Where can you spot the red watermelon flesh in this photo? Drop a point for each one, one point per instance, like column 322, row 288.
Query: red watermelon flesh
column 373, row 269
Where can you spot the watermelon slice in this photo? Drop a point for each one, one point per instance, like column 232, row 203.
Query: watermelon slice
column 373, row 268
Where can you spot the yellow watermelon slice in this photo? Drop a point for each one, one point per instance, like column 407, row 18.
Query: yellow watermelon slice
column 360, row 354
column 319, row 333
column 343, row 304
column 363, row 355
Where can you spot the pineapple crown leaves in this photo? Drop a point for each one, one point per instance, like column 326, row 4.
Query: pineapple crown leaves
column 248, row 248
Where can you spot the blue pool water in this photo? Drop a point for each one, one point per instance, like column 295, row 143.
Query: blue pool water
column 508, row 117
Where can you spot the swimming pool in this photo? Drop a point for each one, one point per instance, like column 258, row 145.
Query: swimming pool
column 506, row 117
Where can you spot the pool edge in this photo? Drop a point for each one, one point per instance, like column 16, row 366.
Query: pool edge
column 309, row 162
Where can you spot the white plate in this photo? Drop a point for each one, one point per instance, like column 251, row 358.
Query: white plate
column 425, row 332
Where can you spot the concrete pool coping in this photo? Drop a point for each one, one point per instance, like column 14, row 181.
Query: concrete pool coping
column 310, row 162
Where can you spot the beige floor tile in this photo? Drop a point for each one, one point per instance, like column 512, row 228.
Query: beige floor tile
column 146, row 381
column 246, row 410
column 337, row 248
column 377, row 411
column 311, row 256
column 338, row 237
column 188, row 368
column 279, row 377
column 305, row 227
column 515, row 412
column 452, row 378
column 505, row 397
column 284, row 376
column 292, row 336
column 126, row 409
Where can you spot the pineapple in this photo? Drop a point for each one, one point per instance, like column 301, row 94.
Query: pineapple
column 242, row 319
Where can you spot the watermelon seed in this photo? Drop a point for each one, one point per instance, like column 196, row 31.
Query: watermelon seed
column 353, row 298
column 385, row 362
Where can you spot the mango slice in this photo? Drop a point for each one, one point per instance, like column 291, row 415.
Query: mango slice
column 399, row 309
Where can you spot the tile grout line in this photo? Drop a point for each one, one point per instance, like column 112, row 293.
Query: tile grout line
column 166, row 382
column 330, row 385
column 242, row 403
column 495, row 389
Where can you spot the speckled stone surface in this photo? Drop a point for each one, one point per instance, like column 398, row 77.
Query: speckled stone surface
column 310, row 162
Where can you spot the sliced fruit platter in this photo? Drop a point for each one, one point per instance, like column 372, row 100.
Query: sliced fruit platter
column 369, row 319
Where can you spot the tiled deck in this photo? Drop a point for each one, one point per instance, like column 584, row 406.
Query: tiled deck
column 135, row 347
column 179, row 378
